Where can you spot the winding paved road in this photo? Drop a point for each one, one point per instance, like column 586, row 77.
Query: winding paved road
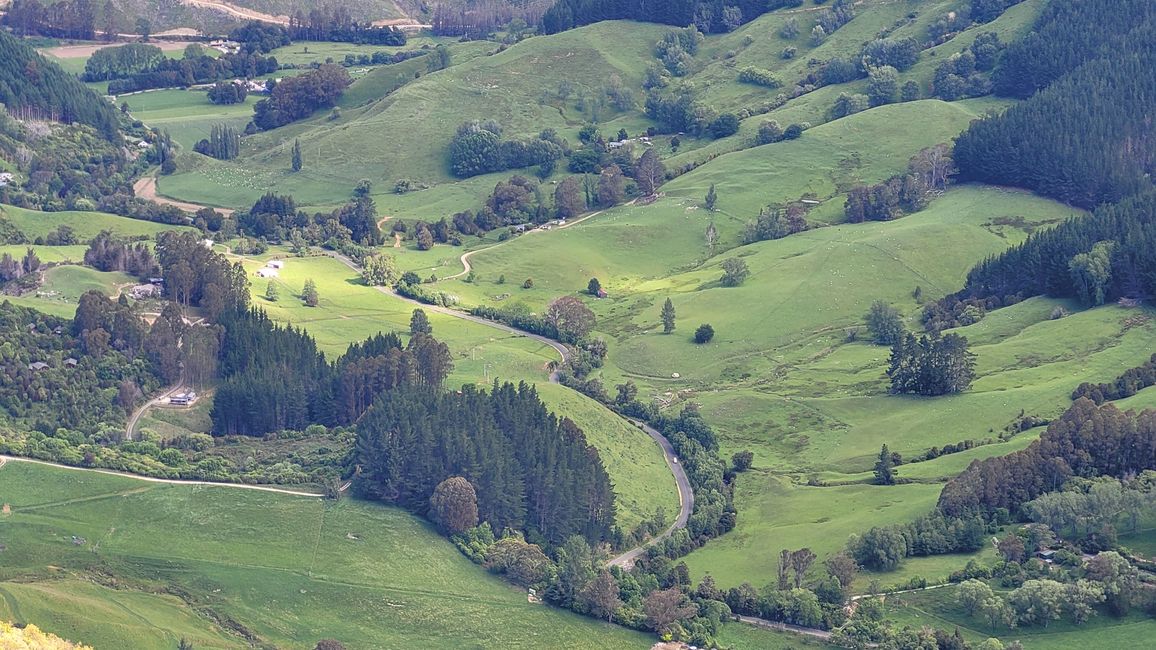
column 685, row 492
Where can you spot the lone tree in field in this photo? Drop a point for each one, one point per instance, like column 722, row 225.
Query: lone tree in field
column 419, row 323
column 649, row 173
column 329, row 644
column 296, row 155
column 593, row 287
column 309, row 293
column 271, row 292
column 734, row 272
column 743, row 460
column 884, row 475
column 885, row 323
column 454, row 506
column 703, row 334
column 568, row 201
column 711, row 236
column 711, row 198
column 667, row 317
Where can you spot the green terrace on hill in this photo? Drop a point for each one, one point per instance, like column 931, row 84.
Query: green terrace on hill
column 206, row 563
column 85, row 225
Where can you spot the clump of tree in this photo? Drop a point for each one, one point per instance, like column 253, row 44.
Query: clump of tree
column 929, row 171
column 1126, row 385
column 298, row 97
column 412, row 439
column 668, row 317
column 885, row 323
column 478, row 148
column 703, row 334
column 931, row 365
column 223, row 143
column 735, row 271
column 107, row 252
column 759, row 77
column 228, row 92
column 775, row 223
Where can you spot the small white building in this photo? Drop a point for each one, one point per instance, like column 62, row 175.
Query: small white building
column 275, row 264
column 267, row 273
column 142, row 291
column 6, row 178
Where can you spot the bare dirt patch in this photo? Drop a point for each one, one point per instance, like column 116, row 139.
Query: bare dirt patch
column 80, row 51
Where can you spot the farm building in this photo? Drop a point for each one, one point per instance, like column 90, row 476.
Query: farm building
column 6, row 178
column 37, row 366
column 183, row 399
column 275, row 264
column 142, row 291
column 267, row 273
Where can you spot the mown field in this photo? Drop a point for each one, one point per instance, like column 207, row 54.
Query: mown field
column 204, row 563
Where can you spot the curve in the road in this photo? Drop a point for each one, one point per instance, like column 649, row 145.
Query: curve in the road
column 685, row 492
column 168, row 481
column 130, row 426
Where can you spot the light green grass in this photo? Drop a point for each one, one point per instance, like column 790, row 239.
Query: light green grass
column 187, row 115
column 85, row 225
column 292, row 570
column 63, row 286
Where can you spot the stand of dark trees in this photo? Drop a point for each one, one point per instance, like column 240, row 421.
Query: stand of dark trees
column 928, row 171
column 478, row 148
column 1065, row 261
column 275, row 218
column 256, row 36
column 65, row 19
column 531, row 470
column 1066, row 35
column 882, row 548
column 274, row 378
column 297, row 97
column 1086, row 441
column 1086, row 137
column 223, row 143
column 1128, row 384
column 709, row 15
column 202, row 69
column 196, row 276
column 931, row 365
column 109, row 253
column 481, row 18
column 31, row 86
column 335, row 23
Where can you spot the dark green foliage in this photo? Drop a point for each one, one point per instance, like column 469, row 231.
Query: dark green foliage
column 531, row 471
column 298, row 97
column 724, row 125
column 774, row 223
column 708, row 15
column 197, row 276
column 759, row 77
column 122, row 61
column 884, row 474
column 199, row 69
column 227, row 92
column 885, row 323
column 275, row 379
column 295, row 162
column 1083, row 139
column 900, row 54
column 883, row 548
column 478, row 148
column 106, row 340
column 703, row 334
column 735, row 271
column 34, row 87
column 334, row 23
column 742, row 460
column 931, row 365
column 985, row 11
column 793, row 132
column 1066, row 35
column 66, row 19
column 1041, row 265
column 223, row 143
column 667, row 317
column 678, row 112
column 1085, row 441
column 594, row 287
column 255, row 36
column 1126, row 385
column 419, row 323
column 108, row 253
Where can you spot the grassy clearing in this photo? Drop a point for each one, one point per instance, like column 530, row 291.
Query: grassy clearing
column 187, row 115
column 291, row 570
column 173, row 422
column 85, row 225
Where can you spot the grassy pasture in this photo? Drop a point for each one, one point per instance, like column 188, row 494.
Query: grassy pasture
column 187, row 115
column 290, row 570
column 85, row 225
